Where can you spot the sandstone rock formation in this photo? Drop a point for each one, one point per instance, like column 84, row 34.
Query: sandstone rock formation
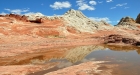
column 80, row 22
column 121, row 39
column 126, row 20
column 138, row 19
column 40, row 18
column 36, row 34
column 75, row 21
column 34, row 16
column 128, row 23
column 17, row 17
column 14, row 24
column 71, row 23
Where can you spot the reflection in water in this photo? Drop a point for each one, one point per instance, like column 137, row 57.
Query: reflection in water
column 127, row 57
column 123, row 48
column 72, row 55
column 79, row 53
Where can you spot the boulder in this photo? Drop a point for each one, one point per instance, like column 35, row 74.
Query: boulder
column 38, row 20
column 120, row 39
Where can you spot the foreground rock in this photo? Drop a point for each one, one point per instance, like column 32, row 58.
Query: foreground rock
column 88, row 68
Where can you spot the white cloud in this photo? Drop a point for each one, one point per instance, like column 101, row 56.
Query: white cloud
column 112, row 7
column 109, row 1
column 17, row 11
column 3, row 13
column 80, row 2
column 84, row 6
column 121, row 4
column 61, row 5
column 92, row 2
column 126, row 7
column 106, row 19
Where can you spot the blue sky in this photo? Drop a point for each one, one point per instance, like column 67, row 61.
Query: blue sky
column 109, row 10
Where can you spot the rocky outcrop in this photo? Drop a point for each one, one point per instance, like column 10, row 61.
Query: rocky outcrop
column 128, row 23
column 77, row 20
column 38, row 20
column 105, row 23
column 120, row 39
column 17, row 17
column 1, row 15
column 126, row 20
column 73, row 22
column 76, row 13
column 34, row 16
column 138, row 19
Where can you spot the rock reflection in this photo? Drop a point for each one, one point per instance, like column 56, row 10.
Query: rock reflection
column 123, row 48
column 34, row 58
column 72, row 54
column 79, row 53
